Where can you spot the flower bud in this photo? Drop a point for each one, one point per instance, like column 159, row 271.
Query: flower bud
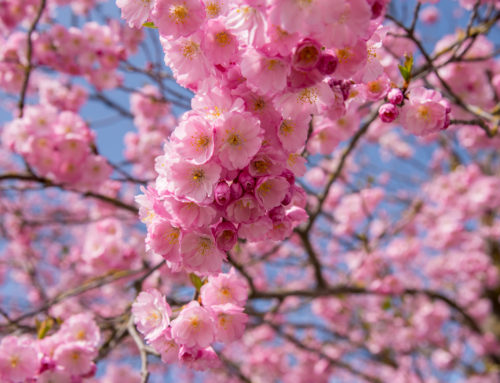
column 225, row 235
column 246, row 181
column 327, row 63
column 236, row 191
column 288, row 198
column 277, row 213
column 388, row 112
column 395, row 96
column 306, row 55
column 222, row 193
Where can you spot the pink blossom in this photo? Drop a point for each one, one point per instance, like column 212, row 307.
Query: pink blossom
column 256, row 230
column 270, row 191
column 193, row 327
column 248, row 20
column 151, row 314
column 314, row 99
column 244, row 210
column 18, row 359
column 292, row 133
column 166, row 346
column 224, row 288
column 81, row 328
column 238, row 140
column 348, row 21
column 200, row 253
column 136, row 12
column 164, row 239
column 189, row 214
column 425, row 112
column 76, row 358
column 264, row 74
column 220, row 44
column 230, row 321
column 193, row 182
column 199, row 359
column 187, row 60
column 267, row 162
column 176, row 18
column 193, row 139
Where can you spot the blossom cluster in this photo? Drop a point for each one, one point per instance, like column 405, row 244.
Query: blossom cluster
column 59, row 145
column 65, row 356
column 261, row 73
column 217, row 316
column 425, row 111
column 94, row 51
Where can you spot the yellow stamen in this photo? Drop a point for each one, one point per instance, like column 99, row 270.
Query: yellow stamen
column 213, row 9
column 198, row 175
column 309, row 95
column 286, row 127
column 223, row 38
column 178, row 13
column 190, row 49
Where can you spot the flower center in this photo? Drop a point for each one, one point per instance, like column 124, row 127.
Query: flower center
column 223, row 38
column 308, row 54
column 173, row 237
column 14, row 361
column 202, row 142
column 309, row 95
column 343, row 54
column 195, row 321
column 286, row 127
column 261, row 166
column 198, row 175
column 178, row 13
column 205, row 245
column 234, row 140
column 190, row 50
column 213, row 9
column 424, row 113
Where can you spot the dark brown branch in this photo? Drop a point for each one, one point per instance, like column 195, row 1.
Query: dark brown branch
column 48, row 183
column 338, row 171
column 29, row 56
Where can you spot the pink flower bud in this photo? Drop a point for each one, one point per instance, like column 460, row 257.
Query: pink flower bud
column 246, row 181
column 236, row 191
column 288, row 198
column 327, row 63
column 222, row 193
column 377, row 8
column 290, row 177
column 388, row 112
column 395, row 96
column 306, row 55
column 277, row 213
column 225, row 235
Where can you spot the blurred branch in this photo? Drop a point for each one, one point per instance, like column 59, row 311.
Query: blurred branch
column 29, row 57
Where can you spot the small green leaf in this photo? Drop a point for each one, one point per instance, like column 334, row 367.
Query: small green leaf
column 386, row 304
column 150, row 24
column 406, row 68
column 44, row 327
column 196, row 281
column 404, row 73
